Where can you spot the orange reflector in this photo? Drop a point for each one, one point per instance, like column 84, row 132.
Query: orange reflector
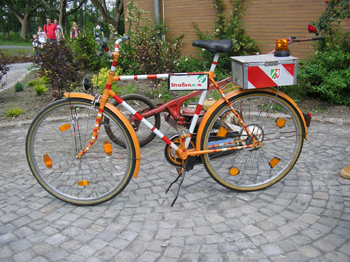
column 274, row 162
column 83, row 183
column 281, row 45
column 107, row 148
column 222, row 132
column 234, row 171
column 280, row 122
column 64, row 127
column 48, row 161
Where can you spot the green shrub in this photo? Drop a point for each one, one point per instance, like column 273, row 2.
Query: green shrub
column 228, row 27
column 14, row 112
column 327, row 76
column 40, row 89
column 102, row 79
column 19, row 87
column 56, row 62
column 4, row 67
column 146, row 51
column 85, row 50
column 45, row 78
column 33, row 83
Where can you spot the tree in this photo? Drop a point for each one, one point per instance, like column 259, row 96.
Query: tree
column 114, row 21
column 62, row 11
column 24, row 10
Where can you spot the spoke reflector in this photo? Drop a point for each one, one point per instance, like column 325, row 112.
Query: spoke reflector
column 234, row 171
column 222, row 132
column 280, row 122
column 64, row 127
column 83, row 183
column 48, row 161
column 107, row 148
column 274, row 162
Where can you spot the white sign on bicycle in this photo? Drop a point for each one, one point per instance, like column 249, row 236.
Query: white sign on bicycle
column 188, row 82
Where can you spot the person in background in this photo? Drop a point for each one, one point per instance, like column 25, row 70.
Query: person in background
column 59, row 33
column 98, row 31
column 50, row 31
column 36, row 45
column 41, row 36
column 74, row 31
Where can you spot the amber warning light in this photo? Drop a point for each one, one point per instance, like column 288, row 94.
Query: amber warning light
column 281, row 49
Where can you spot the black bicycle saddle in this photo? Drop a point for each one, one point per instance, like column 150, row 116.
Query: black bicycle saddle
column 218, row 46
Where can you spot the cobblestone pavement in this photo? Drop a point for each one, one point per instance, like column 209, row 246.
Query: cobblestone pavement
column 304, row 217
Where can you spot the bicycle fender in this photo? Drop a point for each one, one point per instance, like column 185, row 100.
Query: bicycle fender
column 235, row 93
column 123, row 119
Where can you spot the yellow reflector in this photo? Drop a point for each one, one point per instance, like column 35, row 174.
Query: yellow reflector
column 234, row 171
column 280, row 122
column 83, row 183
column 274, row 162
column 222, row 132
column 48, row 161
column 281, row 45
column 107, row 148
column 64, row 127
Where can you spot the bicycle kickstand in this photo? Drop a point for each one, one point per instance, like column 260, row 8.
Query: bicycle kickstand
column 190, row 161
column 179, row 171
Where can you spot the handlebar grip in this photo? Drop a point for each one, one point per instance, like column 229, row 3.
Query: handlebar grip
column 125, row 38
column 104, row 43
column 318, row 38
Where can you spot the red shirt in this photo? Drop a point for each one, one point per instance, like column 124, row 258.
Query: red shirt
column 50, row 30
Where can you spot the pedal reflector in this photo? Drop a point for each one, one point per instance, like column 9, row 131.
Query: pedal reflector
column 234, row 171
column 48, row 161
column 280, row 122
column 83, row 183
column 222, row 132
column 107, row 147
column 64, row 127
column 274, row 162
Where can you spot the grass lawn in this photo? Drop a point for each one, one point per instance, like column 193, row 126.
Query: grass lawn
column 15, row 43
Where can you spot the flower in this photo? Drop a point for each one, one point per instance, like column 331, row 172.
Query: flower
column 326, row 2
column 312, row 29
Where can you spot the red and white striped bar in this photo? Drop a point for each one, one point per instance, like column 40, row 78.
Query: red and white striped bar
column 142, row 77
column 144, row 121
column 215, row 61
column 108, row 51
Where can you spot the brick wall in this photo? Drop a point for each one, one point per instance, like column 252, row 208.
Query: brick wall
column 265, row 20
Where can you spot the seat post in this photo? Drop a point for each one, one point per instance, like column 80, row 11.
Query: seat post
column 215, row 61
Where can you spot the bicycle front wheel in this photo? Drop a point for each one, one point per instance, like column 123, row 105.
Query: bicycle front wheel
column 58, row 133
column 273, row 121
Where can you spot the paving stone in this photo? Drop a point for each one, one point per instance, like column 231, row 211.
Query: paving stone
column 304, row 217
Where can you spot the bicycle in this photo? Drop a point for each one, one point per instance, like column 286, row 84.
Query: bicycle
column 248, row 140
column 174, row 113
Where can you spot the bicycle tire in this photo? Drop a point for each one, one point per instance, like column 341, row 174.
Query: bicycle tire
column 275, row 122
column 60, row 131
column 140, row 104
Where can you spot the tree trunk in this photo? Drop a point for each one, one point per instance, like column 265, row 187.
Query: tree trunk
column 114, row 21
column 63, row 14
column 24, row 23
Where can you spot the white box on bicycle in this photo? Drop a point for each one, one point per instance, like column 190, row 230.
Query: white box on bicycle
column 260, row 71
column 188, row 82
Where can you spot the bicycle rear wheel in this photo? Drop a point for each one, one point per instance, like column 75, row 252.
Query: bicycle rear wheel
column 58, row 133
column 141, row 104
column 273, row 121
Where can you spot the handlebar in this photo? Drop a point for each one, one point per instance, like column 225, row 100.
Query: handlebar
column 104, row 46
column 293, row 39
column 123, row 39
